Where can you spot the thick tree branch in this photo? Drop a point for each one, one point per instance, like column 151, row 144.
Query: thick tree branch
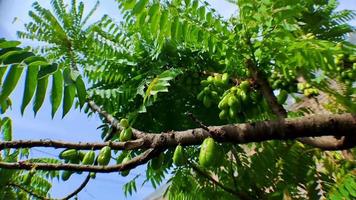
column 266, row 90
column 311, row 126
column 343, row 125
column 134, row 162
column 326, row 143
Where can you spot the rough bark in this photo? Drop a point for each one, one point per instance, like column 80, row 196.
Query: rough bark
column 266, row 90
column 337, row 125
column 134, row 162
column 342, row 126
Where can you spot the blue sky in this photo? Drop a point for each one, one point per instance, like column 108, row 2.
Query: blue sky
column 76, row 126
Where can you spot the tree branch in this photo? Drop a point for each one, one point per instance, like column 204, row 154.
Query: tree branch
column 134, row 162
column 343, row 125
column 266, row 90
column 326, row 143
column 79, row 189
column 133, row 144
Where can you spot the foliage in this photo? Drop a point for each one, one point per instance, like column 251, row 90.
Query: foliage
column 169, row 58
column 19, row 184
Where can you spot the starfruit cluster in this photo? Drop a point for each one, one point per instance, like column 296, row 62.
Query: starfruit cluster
column 287, row 81
column 234, row 100
column 308, row 90
column 346, row 68
column 75, row 156
column 213, row 86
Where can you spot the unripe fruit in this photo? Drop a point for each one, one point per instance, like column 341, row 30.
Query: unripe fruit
column 206, row 90
column 126, row 134
column 92, row 175
column 124, row 123
column 223, row 114
column 68, row 154
column 225, row 78
column 66, row 175
column 214, row 95
column 301, row 86
column 223, row 104
column 81, row 155
column 207, row 102
column 89, row 158
column 232, row 101
column 243, row 96
column 178, row 156
column 200, row 96
column 210, row 79
column 232, row 113
column 125, row 172
column 208, row 153
column 244, row 85
column 217, row 79
column 104, row 156
column 204, row 83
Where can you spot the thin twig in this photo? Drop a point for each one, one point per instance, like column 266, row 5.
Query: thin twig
column 79, row 189
column 134, row 162
column 241, row 195
column 197, row 121
column 133, row 144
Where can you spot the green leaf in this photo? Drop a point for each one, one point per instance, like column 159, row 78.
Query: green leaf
column 30, row 86
column 201, row 11
column 2, row 72
column 164, row 21
column 187, row 2
column 39, row 60
column 174, row 28
column 154, row 14
column 154, row 9
column 10, row 81
column 129, row 4
column 47, row 70
column 81, row 91
column 67, row 75
column 5, row 105
column 16, row 57
column 9, row 44
column 69, row 94
column 57, row 91
column 195, row 4
column 160, row 83
column 40, row 93
column 6, row 128
column 209, row 17
column 139, row 7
